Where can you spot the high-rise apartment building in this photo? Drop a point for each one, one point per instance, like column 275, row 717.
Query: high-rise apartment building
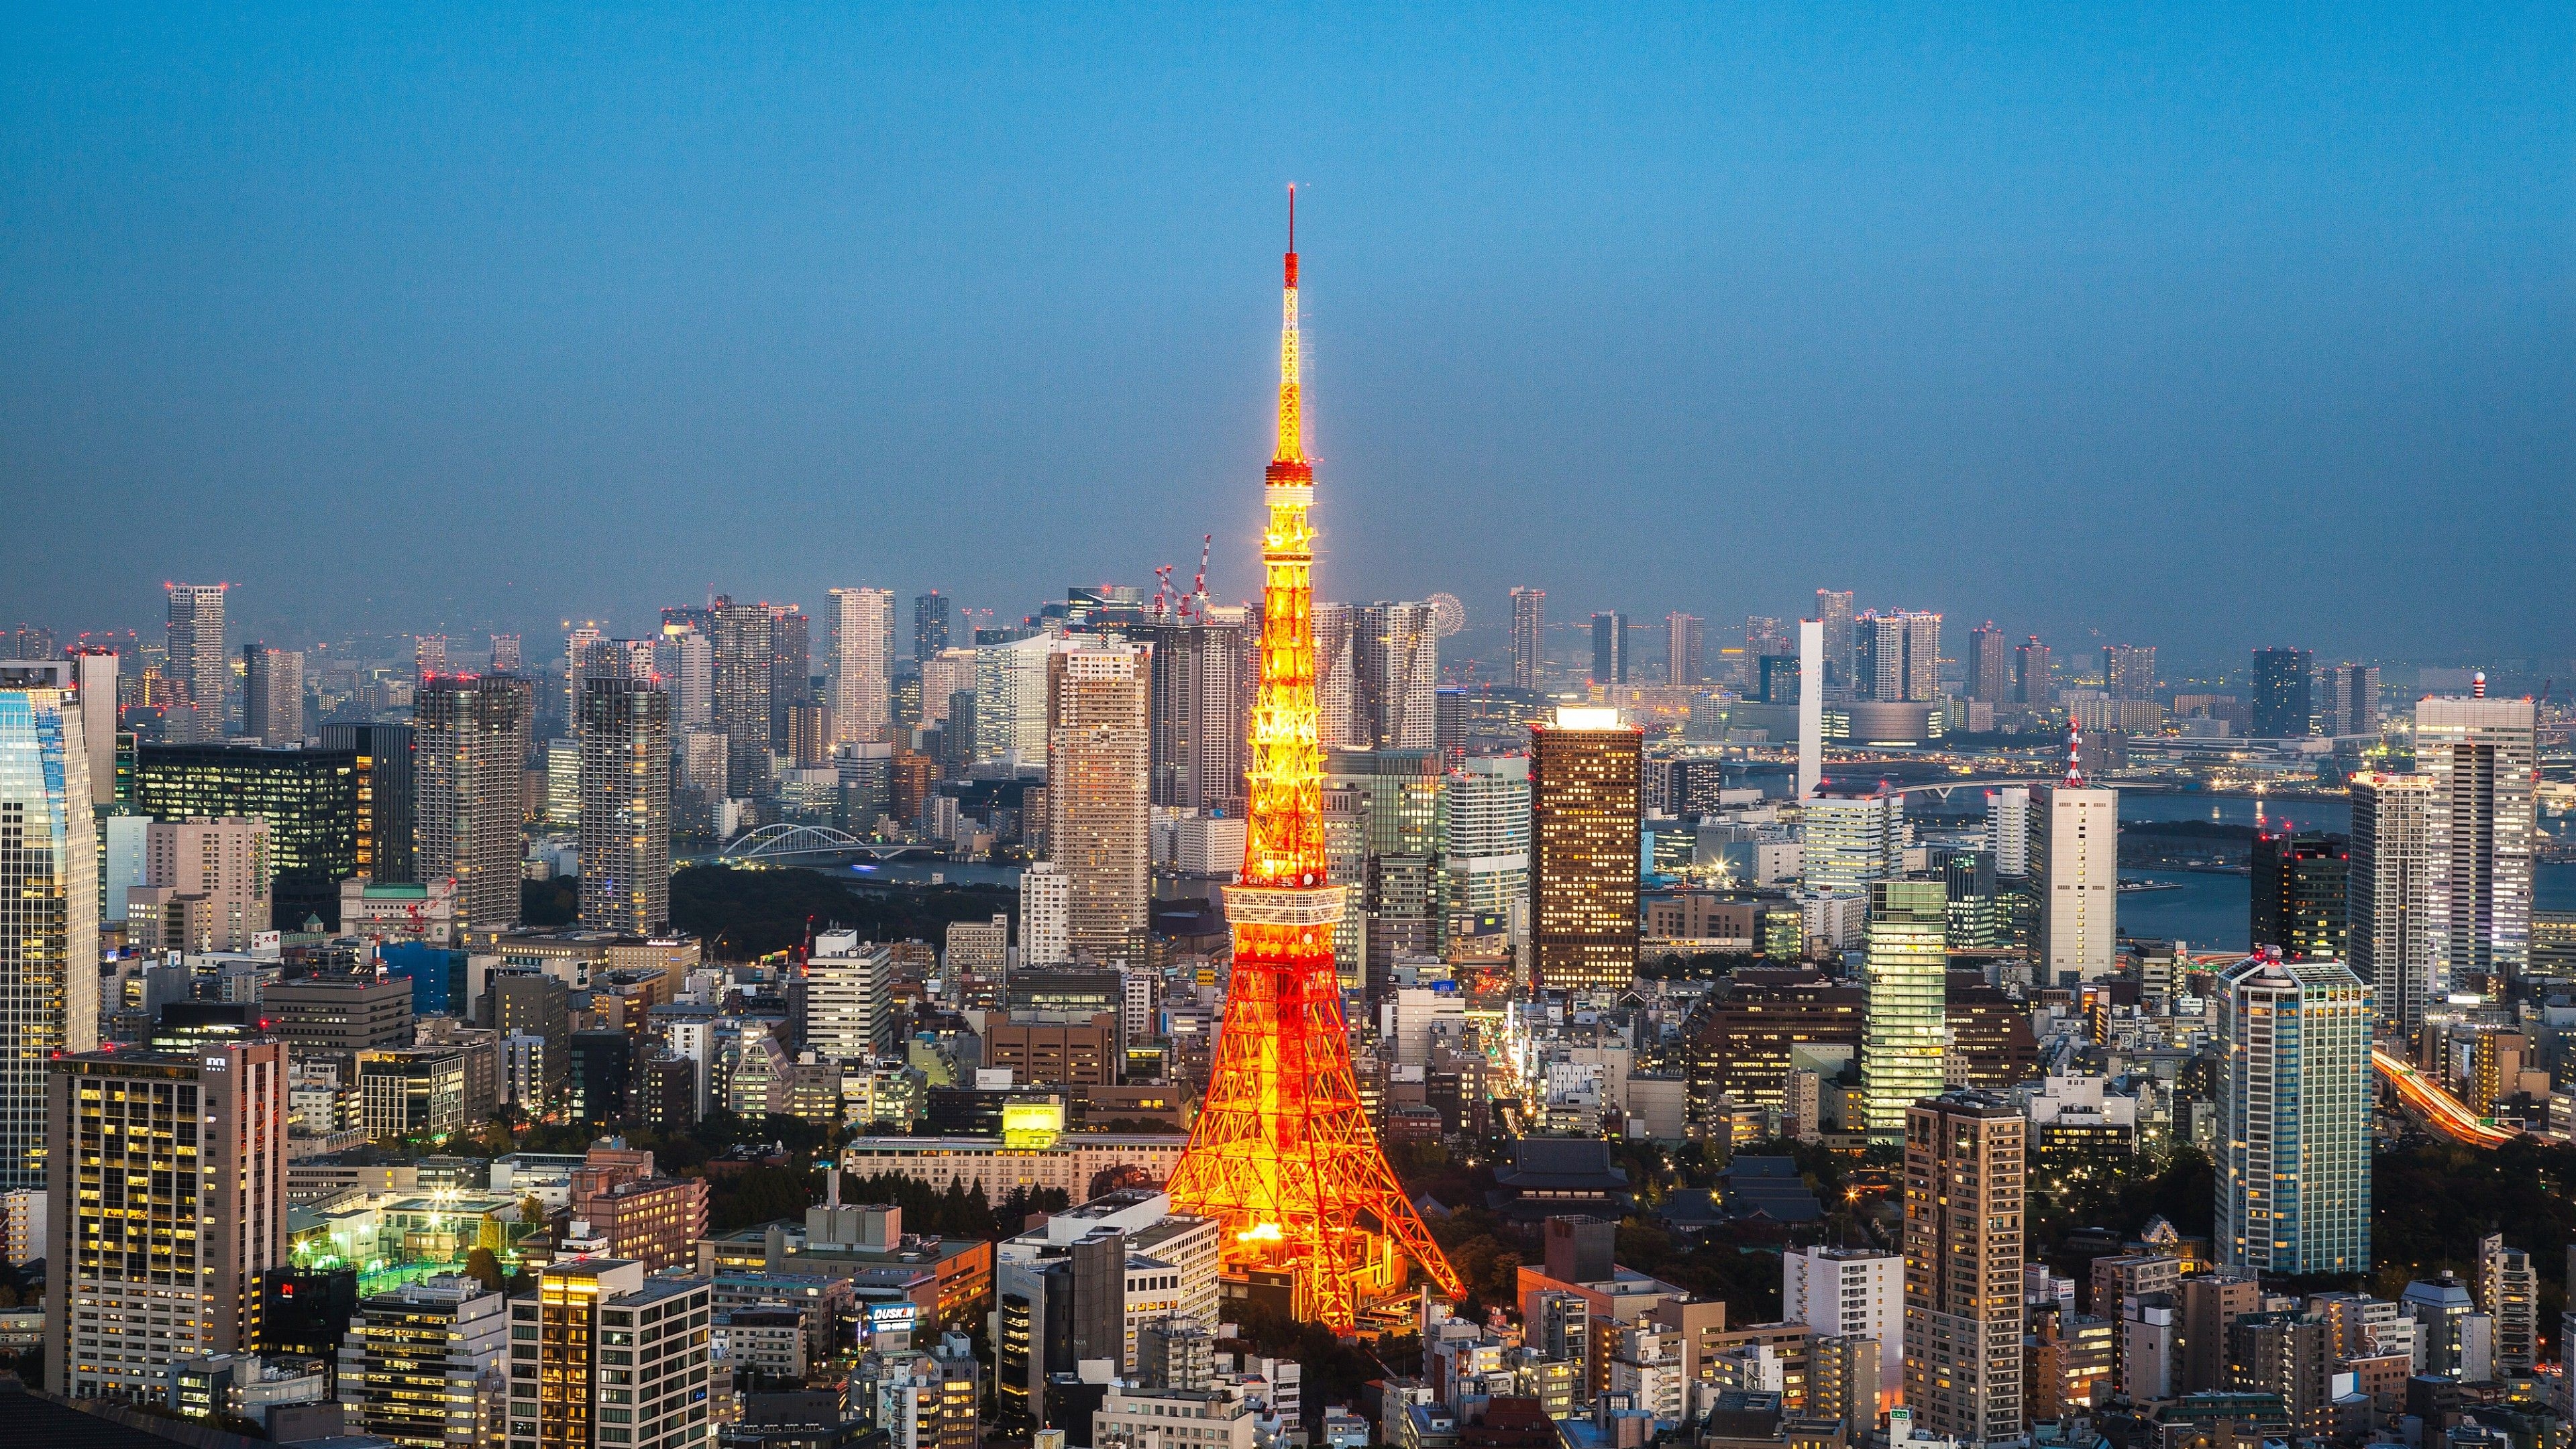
column 1965, row 1191
column 168, row 1199
column 196, row 663
column 2034, row 674
column 2508, row 1291
column 744, row 638
column 2390, row 919
column 1395, row 675
column 273, row 695
column 1529, row 638
column 944, row 676
column 1610, row 648
column 1834, row 611
column 1389, row 808
column 862, row 665
column 505, row 654
column 2008, row 830
column 48, row 916
column 2294, row 1106
column 848, row 1017
column 1905, row 971
column 685, row 658
column 791, row 664
column 380, row 758
column 93, row 678
column 421, row 1362
column 584, row 644
column 1337, row 692
column 1098, row 746
column 2075, row 865
column 1203, row 677
column 470, row 739
column 625, row 787
column 1851, row 841
column 1849, row 1293
column 2300, row 885
column 2282, row 707
column 2480, row 755
column 205, row 886
column 1586, row 824
column 1989, row 665
column 1897, row 656
column 1046, row 914
column 1487, row 836
column 1683, row 668
column 613, row 1358
column 2351, row 703
column 1011, row 698
column 931, row 616
column 2129, row 670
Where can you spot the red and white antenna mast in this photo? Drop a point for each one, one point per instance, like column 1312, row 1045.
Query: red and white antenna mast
column 2074, row 755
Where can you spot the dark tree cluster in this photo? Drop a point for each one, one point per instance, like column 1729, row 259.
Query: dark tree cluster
column 755, row 912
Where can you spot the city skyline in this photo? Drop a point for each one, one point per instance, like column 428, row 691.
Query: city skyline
column 829, row 328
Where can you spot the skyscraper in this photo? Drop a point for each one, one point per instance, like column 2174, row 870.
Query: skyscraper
column 1610, row 648
column 1989, row 665
column 1338, row 722
column 625, row 785
column 2388, row 895
column 1487, row 836
column 1011, row 698
column 197, row 663
column 2034, row 675
column 1834, row 611
column 930, row 619
column 2075, row 864
column 862, row 643
column 1905, row 972
column 1965, row 1192
column 1203, row 680
column 273, row 695
column 387, row 791
column 505, row 654
column 2299, row 894
column 2294, row 1130
column 1046, row 915
column 1586, row 824
column 1851, row 841
column 2129, row 670
column 2352, row 699
column 470, row 748
column 1897, row 657
column 581, row 646
column 48, row 915
column 1395, row 674
column 1098, row 744
column 1529, row 638
column 169, row 1201
column 428, row 655
column 1682, row 665
column 791, row 663
column 745, row 639
column 2480, row 755
column 2282, row 707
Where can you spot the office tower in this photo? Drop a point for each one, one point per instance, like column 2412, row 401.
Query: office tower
column 1896, row 656
column 1529, row 638
column 625, row 809
column 2282, row 706
column 1337, row 690
column 1834, row 612
column 528, row 1003
column 381, row 758
column 1974, row 901
column 470, row 736
column 580, row 1390
column 1964, row 1198
column 931, row 613
column 1395, row 877
column 1487, row 836
column 2008, row 829
column 944, row 676
column 48, row 915
column 1609, row 648
column 1011, row 697
column 2129, row 671
column 1395, row 675
column 791, row 664
column 847, row 1015
column 862, row 645
column 2299, row 894
column 745, row 647
column 1812, row 661
column 1586, row 824
column 1851, row 842
column 809, row 735
column 205, row 885
column 1203, row 678
column 2508, row 1291
column 2034, row 676
column 2479, row 754
column 1046, row 915
column 1764, row 634
column 1098, row 743
column 311, row 800
column 505, row 654
column 581, row 646
column 1989, row 665
column 1682, row 667
column 685, row 657
column 169, row 1201
column 1906, row 974
column 2075, row 864
column 2294, row 1129
column 196, row 663
column 2351, row 699
column 419, row 1360
column 92, row 675
column 273, row 695
column 1774, row 679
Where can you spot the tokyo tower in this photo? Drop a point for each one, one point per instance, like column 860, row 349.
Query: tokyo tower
column 1282, row 1153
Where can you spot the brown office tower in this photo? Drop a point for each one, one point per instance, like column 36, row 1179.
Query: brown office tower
column 1584, row 831
column 470, row 747
column 168, row 1199
column 1963, row 1266
column 1098, row 746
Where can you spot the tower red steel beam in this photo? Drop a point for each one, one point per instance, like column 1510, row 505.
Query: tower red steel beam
column 1282, row 1153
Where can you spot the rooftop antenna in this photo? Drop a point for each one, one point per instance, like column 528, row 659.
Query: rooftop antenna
column 2074, row 755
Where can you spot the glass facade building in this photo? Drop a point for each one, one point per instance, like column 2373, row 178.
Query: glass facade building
column 1906, row 976
column 308, row 797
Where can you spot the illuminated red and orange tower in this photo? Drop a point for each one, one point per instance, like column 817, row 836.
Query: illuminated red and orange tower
column 1282, row 1152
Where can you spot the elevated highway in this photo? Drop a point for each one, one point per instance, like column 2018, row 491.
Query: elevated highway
column 2435, row 1107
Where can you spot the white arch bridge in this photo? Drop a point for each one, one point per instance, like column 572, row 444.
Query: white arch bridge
column 787, row 842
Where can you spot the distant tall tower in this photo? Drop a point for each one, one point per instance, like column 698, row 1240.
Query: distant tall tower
column 470, row 748
column 1905, row 975
column 1204, row 677
column 2481, row 756
column 930, row 619
column 428, row 655
column 862, row 638
column 1989, row 665
column 49, row 932
column 2352, row 699
column 581, row 643
column 1395, row 673
column 2294, row 1118
column 1966, row 1155
column 2034, row 677
column 746, row 659
column 273, row 695
column 1834, row 611
column 197, row 663
column 2388, row 895
column 2075, row 864
column 2284, row 703
column 505, row 654
column 1609, row 648
column 1098, row 747
column 625, row 785
column 1682, row 650
column 1529, row 638
column 2129, row 670
column 1338, row 723
column 791, row 663
column 1586, row 824
column 1897, row 656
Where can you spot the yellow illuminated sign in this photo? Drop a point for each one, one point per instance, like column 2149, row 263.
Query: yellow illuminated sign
column 1032, row 1126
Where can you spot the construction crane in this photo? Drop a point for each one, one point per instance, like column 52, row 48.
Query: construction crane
column 1196, row 603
